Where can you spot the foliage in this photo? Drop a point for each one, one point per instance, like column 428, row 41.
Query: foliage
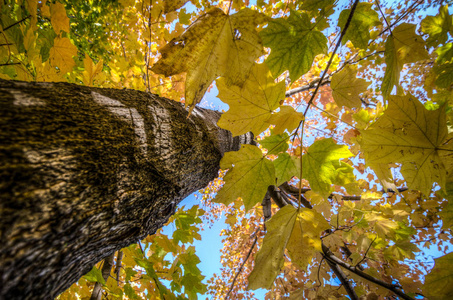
column 351, row 106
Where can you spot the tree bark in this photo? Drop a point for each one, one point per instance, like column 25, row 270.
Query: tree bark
column 87, row 171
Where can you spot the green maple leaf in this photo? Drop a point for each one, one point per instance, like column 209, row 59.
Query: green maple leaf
column 439, row 282
column 346, row 87
column 294, row 44
column 362, row 21
column 269, row 260
column 252, row 104
column 437, row 27
column 297, row 230
column 95, row 275
column 287, row 118
column 409, row 134
column 403, row 46
column 444, row 53
column 275, row 143
column 216, row 45
column 444, row 75
column 248, row 179
column 322, row 168
column 286, row 166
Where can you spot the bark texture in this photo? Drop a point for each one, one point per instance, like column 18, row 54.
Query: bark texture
column 87, row 171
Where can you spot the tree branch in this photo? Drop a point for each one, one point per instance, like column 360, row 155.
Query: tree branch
column 309, row 86
column 391, row 287
column 106, row 268
column 295, row 193
column 344, row 280
column 119, row 259
column 267, row 207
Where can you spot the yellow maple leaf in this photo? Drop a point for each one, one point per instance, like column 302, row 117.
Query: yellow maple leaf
column 287, row 118
column 403, row 46
column 172, row 5
column 61, row 54
column 346, row 87
column 91, row 70
column 215, row 45
column 295, row 229
column 410, row 134
column 44, row 9
column 58, row 17
column 252, row 104
column 305, row 240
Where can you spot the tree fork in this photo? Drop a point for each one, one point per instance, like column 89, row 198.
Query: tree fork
column 86, row 171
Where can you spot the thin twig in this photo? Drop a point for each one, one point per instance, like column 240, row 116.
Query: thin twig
column 9, row 64
column 366, row 252
column 242, row 264
column 343, row 32
column 410, row 9
column 383, row 16
column 14, row 24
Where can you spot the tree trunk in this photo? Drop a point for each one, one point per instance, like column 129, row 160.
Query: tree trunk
column 87, row 171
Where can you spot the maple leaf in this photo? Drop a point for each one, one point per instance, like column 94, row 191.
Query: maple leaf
column 58, row 17
column 384, row 175
column 275, row 143
column 346, row 87
column 447, row 212
column 305, row 240
column 444, row 75
column 439, row 282
column 294, row 44
column 409, row 134
column 403, row 46
column 248, row 179
column 91, row 70
column 321, row 165
column 287, row 118
column 363, row 19
column 286, row 166
column 437, row 27
column 61, row 54
column 172, row 5
column 297, row 230
column 95, row 275
column 252, row 104
column 215, row 45
column 269, row 260
column 315, row 4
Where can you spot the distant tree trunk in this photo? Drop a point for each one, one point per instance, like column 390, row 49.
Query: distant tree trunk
column 87, row 171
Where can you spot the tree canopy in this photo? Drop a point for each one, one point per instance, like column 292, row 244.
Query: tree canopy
column 349, row 187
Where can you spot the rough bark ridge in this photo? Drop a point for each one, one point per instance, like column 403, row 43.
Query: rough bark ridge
column 87, row 171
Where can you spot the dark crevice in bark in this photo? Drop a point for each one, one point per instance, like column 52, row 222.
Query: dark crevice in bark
column 85, row 172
